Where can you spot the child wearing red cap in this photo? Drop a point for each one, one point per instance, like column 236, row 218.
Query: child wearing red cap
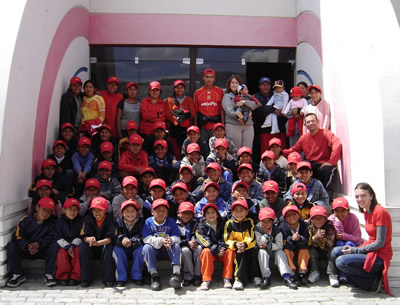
column 179, row 194
column 210, row 236
column 128, row 109
column 270, row 243
column 82, row 162
column 219, row 133
column 42, row 188
column 129, row 190
column 240, row 192
column 158, row 189
column 109, row 186
column 271, row 171
column 71, row 103
column 275, row 145
column 133, row 160
column 129, row 244
column 123, row 144
column 239, row 236
column 152, row 109
column 271, row 198
column 299, row 195
column 211, row 195
column 103, row 134
column 246, row 174
column 67, row 236
column 63, row 161
column 190, row 249
column 224, row 159
column 294, row 111
column 98, row 235
column 34, row 239
column 193, row 137
column 67, row 135
column 92, row 190
column 195, row 160
column 161, row 237
column 106, row 154
column 321, row 241
column 195, row 193
column 292, row 160
column 159, row 133
column 295, row 242
column 245, row 155
column 164, row 162
column 147, row 174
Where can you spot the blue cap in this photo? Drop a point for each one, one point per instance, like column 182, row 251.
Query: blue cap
column 264, row 79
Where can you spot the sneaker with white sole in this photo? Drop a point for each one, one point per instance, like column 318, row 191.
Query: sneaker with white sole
column 227, row 284
column 265, row 125
column 333, row 281
column 257, row 281
column 238, row 285
column 313, row 277
column 205, row 286
column 50, row 280
column 16, row 280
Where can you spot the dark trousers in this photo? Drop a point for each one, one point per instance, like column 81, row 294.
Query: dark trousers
column 324, row 174
column 246, row 265
column 15, row 253
column 86, row 256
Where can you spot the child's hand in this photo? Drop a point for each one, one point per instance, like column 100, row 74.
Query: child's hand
column 33, row 248
column 55, row 192
column 301, row 113
column 126, row 242
column 167, row 243
column 321, row 233
column 174, row 162
column 91, row 241
column 240, row 247
column 193, row 244
column 296, row 236
column 70, row 252
column 222, row 252
column 339, row 235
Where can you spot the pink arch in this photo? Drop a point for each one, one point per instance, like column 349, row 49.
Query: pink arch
column 309, row 30
column 74, row 24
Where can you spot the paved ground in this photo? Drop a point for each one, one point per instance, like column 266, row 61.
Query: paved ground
column 33, row 292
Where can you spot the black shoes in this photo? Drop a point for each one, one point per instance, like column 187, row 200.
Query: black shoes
column 120, row 284
column 186, row 283
column 196, row 281
column 265, row 283
column 85, row 284
column 16, row 280
column 108, row 284
column 63, row 283
column 175, row 281
column 73, row 282
column 301, row 279
column 155, row 282
column 50, row 280
column 139, row 282
column 289, row 282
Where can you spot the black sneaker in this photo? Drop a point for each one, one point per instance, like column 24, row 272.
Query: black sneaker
column 265, row 283
column 289, row 282
column 196, row 281
column 120, row 284
column 16, row 280
column 155, row 282
column 49, row 280
column 186, row 283
column 108, row 284
column 63, row 283
column 146, row 277
column 301, row 279
column 85, row 284
column 73, row 282
column 138, row 282
column 175, row 281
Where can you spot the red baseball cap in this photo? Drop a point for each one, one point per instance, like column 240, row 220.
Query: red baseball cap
column 208, row 71
column 266, row 213
column 179, row 185
column 158, row 182
column 48, row 162
column 186, row 206
column 298, row 186
column 106, row 146
column 240, row 183
column 74, row 80
column 245, row 149
column 193, row 128
column 157, row 125
column 268, row 154
column 131, row 125
column 129, row 180
column 84, row 141
column 221, row 142
column 70, row 202
column 304, row 164
column 209, row 205
column 99, row 203
column 216, row 125
column 240, row 202
column 189, row 168
column 147, row 169
column 92, row 182
column 163, row 143
column 179, row 82
column 317, row 211
column 192, row 147
column 130, row 84
column 67, row 125
column 290, row 207
column 243, row 166
column 340, row 202
column 113, row 79
column 43, row 182
column 105, row 164
column 296, row 91
column 294, row 157
column 135, row 139
column 59, row 142
column 216, row 185
column 154, row 85
column 128, row 203
column 106, row 126
column 159, row 202
column 274, row 141
column 213, row 165
column 47, row 203
column 316, row 87
column 270, row 185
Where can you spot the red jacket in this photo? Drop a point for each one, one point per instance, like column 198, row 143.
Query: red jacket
column 151, row 113
column 129, row 164
column 187, row 105
column 111, row 101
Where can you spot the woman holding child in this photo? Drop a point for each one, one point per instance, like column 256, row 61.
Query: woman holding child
column 241, row 132
column 367, row 266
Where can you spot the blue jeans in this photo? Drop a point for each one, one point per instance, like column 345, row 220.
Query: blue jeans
column 335, row 253
column 121, row 255
column 352, row 266
column 151, row 255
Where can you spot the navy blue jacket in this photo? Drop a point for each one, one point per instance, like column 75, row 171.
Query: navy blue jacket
column 187, row 232
column 290, row 244
column 208, row 238
column 68, row 229
column 107, row 228
column 134, row 235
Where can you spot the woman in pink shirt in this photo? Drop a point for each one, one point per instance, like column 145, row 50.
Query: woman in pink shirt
column 318, row 106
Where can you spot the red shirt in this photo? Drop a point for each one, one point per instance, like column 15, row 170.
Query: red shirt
column 129, row 164
column 150, row 114
column 208, row 102
column 111, row 101
column 320, row 148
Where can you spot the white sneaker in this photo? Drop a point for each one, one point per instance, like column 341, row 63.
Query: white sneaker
column 227, row 284
column 313, row 277
column 257, row 281
column 333, row 281
column 205, row 286
column 265, row 125
column 275, row 132
column 238, row 285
